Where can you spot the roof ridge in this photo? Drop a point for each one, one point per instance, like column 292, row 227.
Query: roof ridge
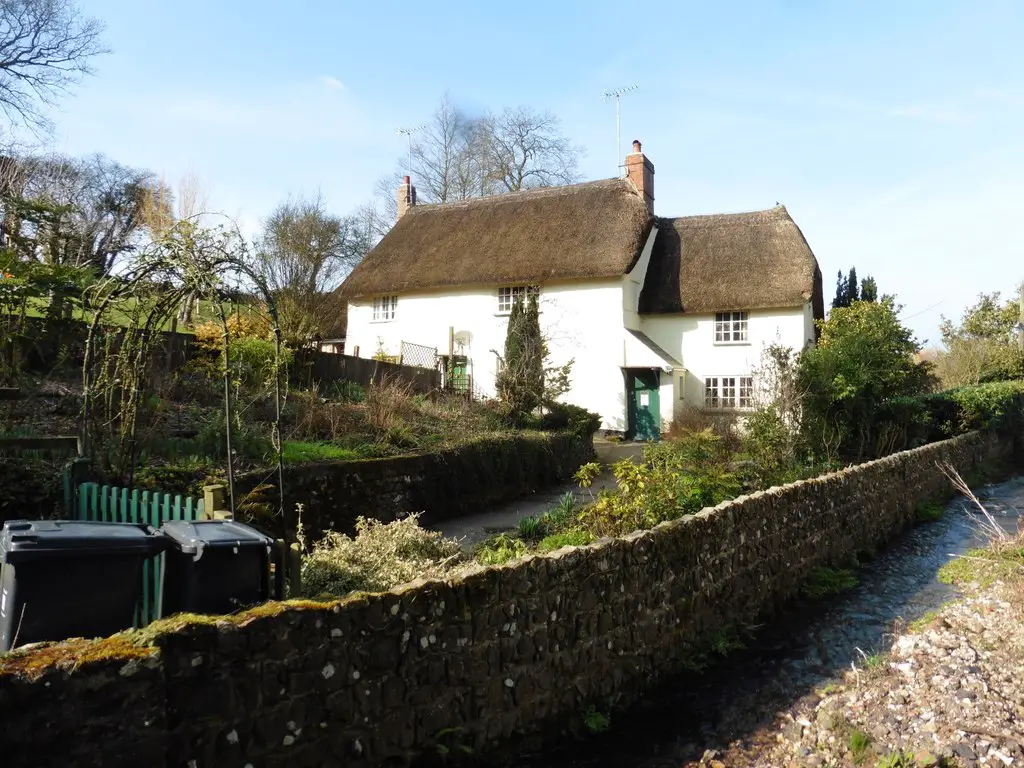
column 778, row 210
column 511, row 197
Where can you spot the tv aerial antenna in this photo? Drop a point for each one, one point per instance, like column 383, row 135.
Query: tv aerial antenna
column 408, row 132
column 617, row 94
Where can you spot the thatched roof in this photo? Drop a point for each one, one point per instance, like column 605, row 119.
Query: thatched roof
column 755, row 260
column 590, row 230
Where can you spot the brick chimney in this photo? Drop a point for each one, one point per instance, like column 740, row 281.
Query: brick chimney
column 406, row 196
column 640, row 171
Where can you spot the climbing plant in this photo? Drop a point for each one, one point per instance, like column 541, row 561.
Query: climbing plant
column 185, row 261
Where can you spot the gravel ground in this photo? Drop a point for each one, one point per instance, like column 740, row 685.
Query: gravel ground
column 950, row 692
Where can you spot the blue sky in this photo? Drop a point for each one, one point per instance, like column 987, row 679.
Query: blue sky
column 892, row 131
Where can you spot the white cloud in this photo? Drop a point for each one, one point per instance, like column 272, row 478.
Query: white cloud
column 332, row 83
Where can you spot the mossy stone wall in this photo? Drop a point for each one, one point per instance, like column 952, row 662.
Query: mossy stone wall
column 490, row 656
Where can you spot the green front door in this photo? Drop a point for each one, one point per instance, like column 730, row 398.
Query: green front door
column 644, row 409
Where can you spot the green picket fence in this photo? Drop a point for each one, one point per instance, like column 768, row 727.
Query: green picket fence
column 110, row 504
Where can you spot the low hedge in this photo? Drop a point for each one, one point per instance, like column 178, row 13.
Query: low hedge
column 914, row 421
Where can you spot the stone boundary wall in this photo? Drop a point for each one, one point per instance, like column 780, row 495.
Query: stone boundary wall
column 442, row 484
column 498, row 653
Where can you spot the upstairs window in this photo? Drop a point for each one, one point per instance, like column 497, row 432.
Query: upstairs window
column 730, row 327
column 384, row 308
column 507, row 296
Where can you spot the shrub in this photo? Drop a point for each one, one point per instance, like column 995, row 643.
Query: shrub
column 676, row 477
column 389, row 404
column 768, row 443
column 912, row 421
column 864, row 357
column 381, row 556
column 532, row 528
column 573, row 537
column 346, row 391
column 500, row 549
column 570, row 418
column 314, row 418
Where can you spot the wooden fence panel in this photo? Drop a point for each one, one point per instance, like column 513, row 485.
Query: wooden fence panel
column 325, row 368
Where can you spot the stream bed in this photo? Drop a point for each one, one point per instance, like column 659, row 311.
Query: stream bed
column 798, row 653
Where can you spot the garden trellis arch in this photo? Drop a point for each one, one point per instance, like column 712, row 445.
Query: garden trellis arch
column 184, row 262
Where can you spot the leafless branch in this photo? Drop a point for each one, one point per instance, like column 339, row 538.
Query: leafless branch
column 45, row 48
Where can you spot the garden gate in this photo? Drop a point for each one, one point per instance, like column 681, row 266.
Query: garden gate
column 110, row 504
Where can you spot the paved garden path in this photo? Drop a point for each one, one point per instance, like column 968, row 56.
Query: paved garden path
column 475, row 528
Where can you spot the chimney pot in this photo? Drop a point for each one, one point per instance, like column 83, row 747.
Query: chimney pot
column 636, row 145
column 406, row 178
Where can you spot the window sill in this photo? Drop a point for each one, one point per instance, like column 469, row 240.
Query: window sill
column 732, row 343
column 728, row 409
column 378, row 322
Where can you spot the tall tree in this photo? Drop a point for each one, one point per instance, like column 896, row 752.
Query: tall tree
column 304, row 253
column 852, row 287
column 868, row 289
column 983, row 346
column 847, row 289
column 46, row 46
column 842, row 291
column 525, row 149
column 456, row 156
column 520, row 382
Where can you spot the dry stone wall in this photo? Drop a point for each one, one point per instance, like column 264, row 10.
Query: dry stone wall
column 441, row 484
column 495, row 654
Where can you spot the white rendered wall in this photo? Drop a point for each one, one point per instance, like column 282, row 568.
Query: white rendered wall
column 584, row 322
column 692, row 338
column 581, row 321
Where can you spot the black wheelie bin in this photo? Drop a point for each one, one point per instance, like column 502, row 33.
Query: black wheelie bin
column 65, row 578
column 214, row 566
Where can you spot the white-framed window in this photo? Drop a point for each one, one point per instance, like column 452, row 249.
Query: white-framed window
column 746, row 392
column 729, row 392
column 711, row 392
column 508, row 294
column 730, row 327
column 384, row 308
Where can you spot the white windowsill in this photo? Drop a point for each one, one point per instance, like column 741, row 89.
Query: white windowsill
column 375, row 322
column 732, row 343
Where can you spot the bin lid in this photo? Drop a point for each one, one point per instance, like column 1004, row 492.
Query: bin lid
column 30, row 539
column 192, row 537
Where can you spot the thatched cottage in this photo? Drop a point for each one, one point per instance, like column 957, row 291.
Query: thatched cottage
column 656, row 313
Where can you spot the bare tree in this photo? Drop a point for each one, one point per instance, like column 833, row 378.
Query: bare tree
column 525, row 150
column 303, row 255
column 45, row 48
column 459, row 156
column 439, row 153
column 84, row 212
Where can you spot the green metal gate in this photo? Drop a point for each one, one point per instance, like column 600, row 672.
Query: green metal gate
column 110, row 504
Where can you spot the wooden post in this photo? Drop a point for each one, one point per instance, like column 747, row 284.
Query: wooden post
column 294, row 571
column 279, row 564
column 215, row 503
column 450, row 367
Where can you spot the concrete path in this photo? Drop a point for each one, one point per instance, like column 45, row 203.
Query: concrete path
column 473, row 529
